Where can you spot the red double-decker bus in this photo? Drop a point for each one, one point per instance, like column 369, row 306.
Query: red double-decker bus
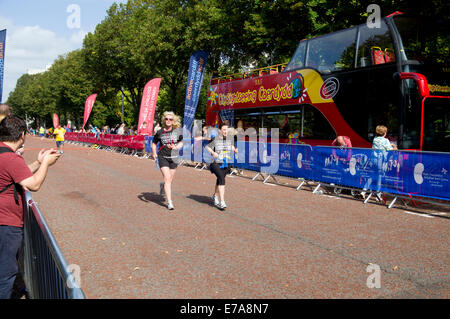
column 346, row 83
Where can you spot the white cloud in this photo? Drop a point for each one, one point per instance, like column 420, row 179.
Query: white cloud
column 32, row 47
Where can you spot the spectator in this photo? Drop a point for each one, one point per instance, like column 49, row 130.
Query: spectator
column 15, row 176
column 342, row 141
column 121, row 129
column 380, row 142
column 206, row 130
column 381, row 145
column 42, row 132
column 115, row 129
column 156, row 127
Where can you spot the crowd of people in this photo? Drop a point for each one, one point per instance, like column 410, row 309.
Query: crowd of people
column 17, row 176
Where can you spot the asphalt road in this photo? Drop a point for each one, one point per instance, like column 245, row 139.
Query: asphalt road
column 273, row 241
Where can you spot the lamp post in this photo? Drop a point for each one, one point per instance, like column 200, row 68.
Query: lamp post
column 122, row 105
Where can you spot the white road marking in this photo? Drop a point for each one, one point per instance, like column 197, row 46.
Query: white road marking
column 422, row 215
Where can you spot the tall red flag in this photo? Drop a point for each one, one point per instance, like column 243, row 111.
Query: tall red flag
column 88, row 107
column 148, row 106
column 55, row 120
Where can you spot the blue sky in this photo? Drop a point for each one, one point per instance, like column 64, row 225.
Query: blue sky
column 39, row 31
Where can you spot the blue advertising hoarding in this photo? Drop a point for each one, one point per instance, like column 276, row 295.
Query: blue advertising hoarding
column 424, row 174
column 418, row 174
column 2, row 60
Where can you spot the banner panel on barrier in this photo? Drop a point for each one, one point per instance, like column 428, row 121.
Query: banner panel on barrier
column 419, row 174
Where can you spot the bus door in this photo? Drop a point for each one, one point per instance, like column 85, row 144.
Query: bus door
column 435, row 124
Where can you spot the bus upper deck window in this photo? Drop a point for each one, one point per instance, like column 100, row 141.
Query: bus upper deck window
column 374, row 46
column 332, row 52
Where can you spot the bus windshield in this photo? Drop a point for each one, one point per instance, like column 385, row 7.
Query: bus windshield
column 424, row 41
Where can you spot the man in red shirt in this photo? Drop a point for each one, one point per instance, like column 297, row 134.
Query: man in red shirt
column 15, row 176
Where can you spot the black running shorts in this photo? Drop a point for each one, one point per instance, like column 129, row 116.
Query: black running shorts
column 167, row 162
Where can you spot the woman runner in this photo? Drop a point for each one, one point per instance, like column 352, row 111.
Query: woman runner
column 221, row 149
column 170, row 142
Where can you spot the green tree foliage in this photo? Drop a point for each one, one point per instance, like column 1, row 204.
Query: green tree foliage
column 144, row 39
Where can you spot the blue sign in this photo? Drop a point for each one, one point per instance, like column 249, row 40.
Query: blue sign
column 197, row 66
column 418, row 174
column 407, row 173
column 2, row 60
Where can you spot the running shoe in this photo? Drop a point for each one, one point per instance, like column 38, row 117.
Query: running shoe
column 170, row 206
column 161, row 189
column 215, row 199
column 222, row 205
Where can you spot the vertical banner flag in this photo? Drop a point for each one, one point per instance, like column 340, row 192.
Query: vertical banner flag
column 88, row 107
column 197, row 65
column 2, row 60
column 55, row 120
column 148, row 106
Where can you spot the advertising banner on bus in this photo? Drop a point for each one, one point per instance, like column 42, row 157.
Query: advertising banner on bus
column 286, row 88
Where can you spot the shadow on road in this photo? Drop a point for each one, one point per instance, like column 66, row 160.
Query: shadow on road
column 152, row 197
column 202, row 199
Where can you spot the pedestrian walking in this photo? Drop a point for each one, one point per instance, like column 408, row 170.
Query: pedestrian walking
column 170, row 140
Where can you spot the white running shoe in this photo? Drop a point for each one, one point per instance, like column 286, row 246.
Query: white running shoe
column 216, row 200
column 170, row 206
column 161, row 189
column 222, row 205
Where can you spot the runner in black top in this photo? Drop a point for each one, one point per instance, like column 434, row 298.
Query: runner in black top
column 170, row 140
column 221, row 149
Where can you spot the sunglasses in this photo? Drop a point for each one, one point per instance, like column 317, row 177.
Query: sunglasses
column 168, row 119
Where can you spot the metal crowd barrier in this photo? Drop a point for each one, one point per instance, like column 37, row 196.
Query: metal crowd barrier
column 43, row 266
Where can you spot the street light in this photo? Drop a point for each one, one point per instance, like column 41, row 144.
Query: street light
column 122, row 104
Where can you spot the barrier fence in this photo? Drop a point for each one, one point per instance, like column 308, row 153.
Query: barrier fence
column 43, row 266
column 403, row 174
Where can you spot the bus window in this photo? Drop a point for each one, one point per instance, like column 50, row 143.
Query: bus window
column 303, row 119
column 298, row 59
column 374, row 46
column 333, row 52
column 411, row 115
column 286, row 123
column 436, row 125
column 315, row 125
column 424, row 41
